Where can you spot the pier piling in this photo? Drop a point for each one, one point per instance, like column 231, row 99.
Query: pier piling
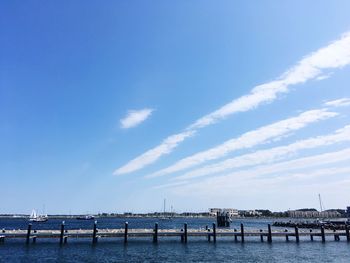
column 185, row 232
column 235, row 230
column 269, row 235
column 126, row 233
column 322, row 234
column 242, row 233
column 296, row 234
column 155, row 234
column 62, row 233
column 336, row 236
column 28, row 233
column 94, row 233
column 261, row 236
column 347, row 231
column 311, row 235
column 214, row 232
column 287, row 235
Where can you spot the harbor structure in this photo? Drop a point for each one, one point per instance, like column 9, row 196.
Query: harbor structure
column 211, row 234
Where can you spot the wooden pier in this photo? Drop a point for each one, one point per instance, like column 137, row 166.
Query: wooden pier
column 211, row 234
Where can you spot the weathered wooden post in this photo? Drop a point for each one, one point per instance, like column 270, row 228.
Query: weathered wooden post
column 261, row 236
column 2, row 239
column 296, row 234
column 347, row 230
column 287, row 235
column 242, row 233
column 126, row 233
column 155, row 234
column 62, row 233
column 94, row 233
column 269, row 234
column 214, row 232
column 235, row 230
column 28, row 233
column 311, row 235
column 336, row 236
column 185, row 234
column 322, row 234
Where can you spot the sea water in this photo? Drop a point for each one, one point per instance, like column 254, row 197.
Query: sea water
column 167, row 249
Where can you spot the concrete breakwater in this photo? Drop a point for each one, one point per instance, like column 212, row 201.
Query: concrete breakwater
column 210, row 234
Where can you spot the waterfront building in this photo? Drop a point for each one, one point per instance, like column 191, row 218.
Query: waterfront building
column 231, row 212
column 214, row 211
column 249, row 213
column 313, row 213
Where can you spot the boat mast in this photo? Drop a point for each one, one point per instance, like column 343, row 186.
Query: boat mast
column 164, row 207
column 319, row 198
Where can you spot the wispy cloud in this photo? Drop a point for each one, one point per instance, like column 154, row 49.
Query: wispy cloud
column 135, row 117
column 269, row 155
column 315, row 65
column 252, row 138
column 152, row 155
column 338, row 103
column 263, row 173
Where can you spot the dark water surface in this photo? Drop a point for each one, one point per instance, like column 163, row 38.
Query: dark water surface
column 167, row 250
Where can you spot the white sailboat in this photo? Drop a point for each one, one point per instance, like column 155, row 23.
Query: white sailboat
column 34, row 217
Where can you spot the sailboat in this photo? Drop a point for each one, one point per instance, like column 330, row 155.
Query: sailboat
column 164, row 217
column 34, row 217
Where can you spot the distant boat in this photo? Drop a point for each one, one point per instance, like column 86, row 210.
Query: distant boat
column 34, row 217
column 86, row 217
column 165, row 217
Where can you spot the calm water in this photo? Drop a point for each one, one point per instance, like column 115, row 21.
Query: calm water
column 169, row 250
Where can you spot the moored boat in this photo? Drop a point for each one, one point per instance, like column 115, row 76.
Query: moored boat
column 34, row 217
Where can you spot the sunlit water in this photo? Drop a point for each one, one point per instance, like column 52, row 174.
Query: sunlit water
column 167, row 250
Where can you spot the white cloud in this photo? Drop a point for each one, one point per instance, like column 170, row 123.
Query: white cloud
column 335, row 55
column 338, row 103
column 252, row 138
column 152, row 155
column 135, row 117
column 169, row 185
column 269, row 155
column 244, row 177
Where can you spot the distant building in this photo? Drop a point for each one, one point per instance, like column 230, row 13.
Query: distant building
column 214, row 211
column 313, row 213
column 250, row 213
column 231, row 212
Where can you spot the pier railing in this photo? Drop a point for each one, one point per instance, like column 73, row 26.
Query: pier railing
column 211, row 234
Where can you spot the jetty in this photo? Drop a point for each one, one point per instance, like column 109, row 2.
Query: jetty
column 212, row 234
column 333, row 225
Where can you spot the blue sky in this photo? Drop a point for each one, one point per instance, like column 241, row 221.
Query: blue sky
column 114, row 106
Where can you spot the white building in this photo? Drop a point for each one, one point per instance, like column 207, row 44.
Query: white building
column 231, row 212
